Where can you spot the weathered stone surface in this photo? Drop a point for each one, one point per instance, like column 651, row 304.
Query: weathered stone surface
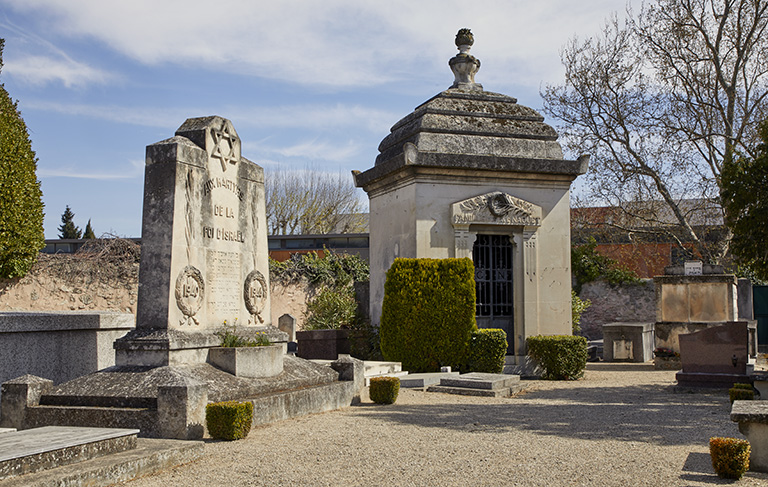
column 752, row 417
column 266, row 361
column 480, row 380
column 61, row 345
column 287, row 324
column 204, row 245
column 19, row 394
column 181, row 409
column 352, row 370
column 148, row 457
column 29, row 451
column 638, row 338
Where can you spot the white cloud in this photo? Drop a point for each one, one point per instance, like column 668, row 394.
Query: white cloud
column 330, row 43
column 134, row 170
column 40, row 70
column 312, row 150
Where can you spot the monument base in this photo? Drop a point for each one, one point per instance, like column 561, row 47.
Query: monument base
column 169, row 401
column 159, row 347
column 707, row 380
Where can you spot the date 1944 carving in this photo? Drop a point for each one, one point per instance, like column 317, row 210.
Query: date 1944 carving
column 190, row 290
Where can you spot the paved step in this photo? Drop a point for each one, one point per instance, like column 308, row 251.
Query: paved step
column 425, row 379
column 7, row 430
column 466, row 391
column 149, row 456
column 480, row 380
column 33, row 450
column 376, row 368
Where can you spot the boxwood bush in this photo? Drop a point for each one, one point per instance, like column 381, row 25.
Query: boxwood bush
column 229, row 420
column 741, row 392
column 730, row 457
column 384, row 390
column 428, row 313
column 563, row 357
column 487, row 350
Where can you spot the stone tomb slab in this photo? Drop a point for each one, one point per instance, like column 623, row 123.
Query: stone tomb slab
column 480, row 380
column 479, row 384
column 37, row 449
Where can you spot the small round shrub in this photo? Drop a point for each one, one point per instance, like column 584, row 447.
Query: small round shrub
column 384, row 390
column 730, row 457
column 563, row 357
column 487, row 350
column 741, row 392
column 229, row 420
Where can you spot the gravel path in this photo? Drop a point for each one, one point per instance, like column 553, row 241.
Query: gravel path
column 612, row 428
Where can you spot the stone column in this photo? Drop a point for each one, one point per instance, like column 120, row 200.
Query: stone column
column 19, row 394
column 181, row 409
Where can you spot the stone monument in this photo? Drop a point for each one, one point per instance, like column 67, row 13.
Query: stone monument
column 471, row 173
column 204, row 261
column 204, row 264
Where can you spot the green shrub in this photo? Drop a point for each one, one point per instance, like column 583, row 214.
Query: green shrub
column 487, row 350
column 384, row 390
column 230, row 420
column 21, row 204
column 741, row 392
column 230, row 339
column 577, row 307
column 332, row 269
column 588, row 265
column 332, row 309
column 428, row 313
column 730, row 457
column 563, row 357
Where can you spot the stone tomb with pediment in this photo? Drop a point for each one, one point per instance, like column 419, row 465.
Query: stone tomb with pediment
column 471, row 173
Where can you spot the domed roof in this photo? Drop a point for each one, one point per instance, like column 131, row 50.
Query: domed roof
column 466, row 127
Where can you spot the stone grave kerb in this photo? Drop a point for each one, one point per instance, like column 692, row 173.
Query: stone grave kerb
column 204, row 256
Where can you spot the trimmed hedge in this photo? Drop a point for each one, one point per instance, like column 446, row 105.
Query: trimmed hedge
column 563, row 357
column 730, row 457
column 428, row 313
column 487, row 350
column 229, row 420
column 741, row 392
column 384, row 390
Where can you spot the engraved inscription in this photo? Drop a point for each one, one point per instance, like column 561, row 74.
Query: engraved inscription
column 228, row 184
column 190, row 290
column 223, row 281
column 223, row 234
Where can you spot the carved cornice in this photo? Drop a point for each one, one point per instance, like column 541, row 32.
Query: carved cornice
column 496, row 208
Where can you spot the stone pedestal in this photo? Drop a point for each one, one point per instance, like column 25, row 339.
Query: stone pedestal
column 628, row 342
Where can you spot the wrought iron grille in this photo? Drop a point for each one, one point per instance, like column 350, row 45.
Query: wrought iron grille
column 493, row 255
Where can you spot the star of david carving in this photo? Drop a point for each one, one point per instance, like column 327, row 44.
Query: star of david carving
column 224, row 144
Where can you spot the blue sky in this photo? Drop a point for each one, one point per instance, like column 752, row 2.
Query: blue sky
column 305, row 83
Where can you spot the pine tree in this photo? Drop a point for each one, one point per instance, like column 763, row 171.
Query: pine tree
column 68, row 229
column 88, row 233
column 21, row 204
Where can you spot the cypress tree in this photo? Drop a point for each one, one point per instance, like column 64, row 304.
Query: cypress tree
column 68, row 229
column 21, row 204
column 88, row 233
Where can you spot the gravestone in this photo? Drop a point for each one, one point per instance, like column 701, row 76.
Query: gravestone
column 204, row 258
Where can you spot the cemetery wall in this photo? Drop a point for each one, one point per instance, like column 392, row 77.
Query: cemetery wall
column 617, row 303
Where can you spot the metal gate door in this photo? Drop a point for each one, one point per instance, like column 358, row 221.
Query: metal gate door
column 492, row 255
column 760, row 303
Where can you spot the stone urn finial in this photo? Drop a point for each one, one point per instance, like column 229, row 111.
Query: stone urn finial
column 465, row 65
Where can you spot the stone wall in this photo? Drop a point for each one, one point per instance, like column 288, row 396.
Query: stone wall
column 617, row 303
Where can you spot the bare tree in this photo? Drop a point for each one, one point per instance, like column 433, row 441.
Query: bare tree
column 312, row 202
column 661, row 101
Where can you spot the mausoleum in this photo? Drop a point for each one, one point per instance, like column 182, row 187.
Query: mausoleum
column 471, row 173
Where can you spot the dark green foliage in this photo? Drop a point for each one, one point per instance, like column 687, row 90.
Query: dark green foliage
column 384, row 390
column 88, row 233
column 21, row 205
column 741, row 392
column 428, row 313
column 366, row 344
column 730, row 457
column 745, row 198
column 487, row 350
column 331, row 269
column 588, row 265
column 332, row 309
column 68, row 229
column 563, row 357
column 230, row 420
column 577, row 307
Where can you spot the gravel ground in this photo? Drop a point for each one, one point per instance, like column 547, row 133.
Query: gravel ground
column 614, row 427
